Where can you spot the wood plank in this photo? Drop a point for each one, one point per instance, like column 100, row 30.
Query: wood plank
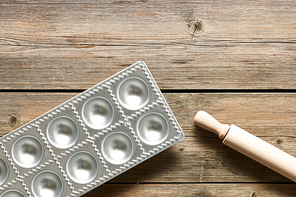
column 66, row 45
column 198, row 190
column 200, row 157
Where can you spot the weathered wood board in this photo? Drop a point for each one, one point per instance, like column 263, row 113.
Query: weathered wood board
column 66, row 44
column 201, row 190
column 231, row 50
column 200, row 161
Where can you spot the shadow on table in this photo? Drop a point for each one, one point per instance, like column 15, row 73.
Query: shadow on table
column 243, row 168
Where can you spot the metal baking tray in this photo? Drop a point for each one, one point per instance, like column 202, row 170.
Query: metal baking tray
column 89, row 139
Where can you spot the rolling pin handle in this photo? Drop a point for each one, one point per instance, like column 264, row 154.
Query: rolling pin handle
column 208, row 122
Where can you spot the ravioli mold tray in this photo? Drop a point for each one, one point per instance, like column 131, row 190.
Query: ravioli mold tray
column 89, row 139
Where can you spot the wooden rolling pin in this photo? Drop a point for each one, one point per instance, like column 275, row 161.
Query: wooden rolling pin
column 249, row 145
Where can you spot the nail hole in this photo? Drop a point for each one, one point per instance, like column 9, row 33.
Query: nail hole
column 12, row 120
column 182, row 150
column 279, row 141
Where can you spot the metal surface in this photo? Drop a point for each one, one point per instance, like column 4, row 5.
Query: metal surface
column 97, row 113
column 62, row 132
column 152, row 129
column 3, row 171
column 27, row 152
column 12, row 193
column 117, row 148
column 133, row 93
column 82, row 167
column 89, row 139
column 47, row 184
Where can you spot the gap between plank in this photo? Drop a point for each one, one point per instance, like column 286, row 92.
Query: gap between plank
column 197, row 183
column 164, row 90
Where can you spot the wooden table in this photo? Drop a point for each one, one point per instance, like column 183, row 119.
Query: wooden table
column 233, row 59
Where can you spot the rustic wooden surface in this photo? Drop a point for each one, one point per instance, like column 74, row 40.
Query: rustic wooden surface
column 236, row 60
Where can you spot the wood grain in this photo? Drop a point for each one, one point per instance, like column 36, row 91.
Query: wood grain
column 200, row 157
column 197, row 190
column 51, row 50
column 67, row 44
